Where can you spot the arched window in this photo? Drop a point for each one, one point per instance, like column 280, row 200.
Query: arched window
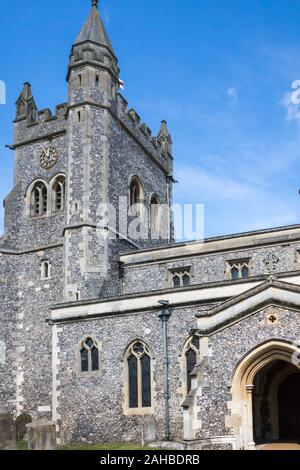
column 45, row 270
column 177, row 280
column 155, row 216
column 235, row 273
column 191, row 355
column 38, row 200
column 58, row 194
column 245, row 272
column 186, row 280
column 180, row 278
column 89, row 355
column 138, row 361
column 239, row 269
column 135, row 196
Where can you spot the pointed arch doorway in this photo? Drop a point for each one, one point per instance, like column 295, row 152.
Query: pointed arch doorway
column 265, row 390
column 276, row 403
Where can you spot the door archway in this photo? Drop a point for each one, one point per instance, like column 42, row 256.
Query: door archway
column 254, row 414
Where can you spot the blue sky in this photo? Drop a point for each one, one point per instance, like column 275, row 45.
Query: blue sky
column 219, row 71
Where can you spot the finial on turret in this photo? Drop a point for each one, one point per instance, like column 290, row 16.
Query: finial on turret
column 95, row 3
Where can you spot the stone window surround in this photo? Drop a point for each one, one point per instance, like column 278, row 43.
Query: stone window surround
column 183, row 366
column 42, row 268
column 49, row 185
column 180, row 271
column 59, row 181
column 239, row 263
column 134, row 210
column 89, row 374
column 137, row 411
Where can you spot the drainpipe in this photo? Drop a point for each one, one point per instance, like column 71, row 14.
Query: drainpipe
column 164, row 315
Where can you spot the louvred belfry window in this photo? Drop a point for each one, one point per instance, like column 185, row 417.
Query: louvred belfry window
column 135, row 196
column 58, row 194
column 39, row 200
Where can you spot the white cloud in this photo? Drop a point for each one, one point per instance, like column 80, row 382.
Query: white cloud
column 234, row 204
column 292, row 108
column 233, row 96
column 198, row 183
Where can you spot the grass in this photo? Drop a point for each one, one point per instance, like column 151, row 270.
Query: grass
column 116, row 446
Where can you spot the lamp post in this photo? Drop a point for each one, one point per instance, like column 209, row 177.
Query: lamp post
column 164, row 316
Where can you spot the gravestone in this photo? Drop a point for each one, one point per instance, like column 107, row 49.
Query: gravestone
column 21, row 423
column 7, row 432
column 41, row 435
column 149, row 431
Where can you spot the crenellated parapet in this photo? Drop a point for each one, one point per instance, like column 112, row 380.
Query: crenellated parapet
column 159, row 146
column 39, row 125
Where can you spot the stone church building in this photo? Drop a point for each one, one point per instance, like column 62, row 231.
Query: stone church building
column 85, row 304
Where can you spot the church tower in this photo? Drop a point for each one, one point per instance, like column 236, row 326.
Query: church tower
column 108, row 149
column 93, row 76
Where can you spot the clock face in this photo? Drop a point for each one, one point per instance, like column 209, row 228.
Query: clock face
column 48, row 158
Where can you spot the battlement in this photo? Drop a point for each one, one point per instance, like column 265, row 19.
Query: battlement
column 160, row 146
column 45, row 124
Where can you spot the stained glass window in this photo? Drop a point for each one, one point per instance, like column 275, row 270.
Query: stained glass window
column 181, row 278
column 89, row 355
column 84, row 360
column 133, row 382
column 176, row 281
column 239, row 269
column 95, row 358
column 146, row 381
column 139, row 376
column 245, row 272
column 191, row 354
column 191, row 360
column 235, row 273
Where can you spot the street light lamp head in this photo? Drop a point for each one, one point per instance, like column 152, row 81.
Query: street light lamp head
column 164, row 302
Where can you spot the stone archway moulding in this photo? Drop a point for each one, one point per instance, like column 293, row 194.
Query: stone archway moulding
column 241, row 417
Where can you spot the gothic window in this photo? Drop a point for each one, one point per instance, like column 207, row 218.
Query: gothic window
column 58, row 194
column 239, row 269
column 191, row 356
column 39, row 200
column 138, row 361
column 89, row 356
column 176, row 280
column 135, row 196
column 180, row 277
column 186, row 280
column 155, row 216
